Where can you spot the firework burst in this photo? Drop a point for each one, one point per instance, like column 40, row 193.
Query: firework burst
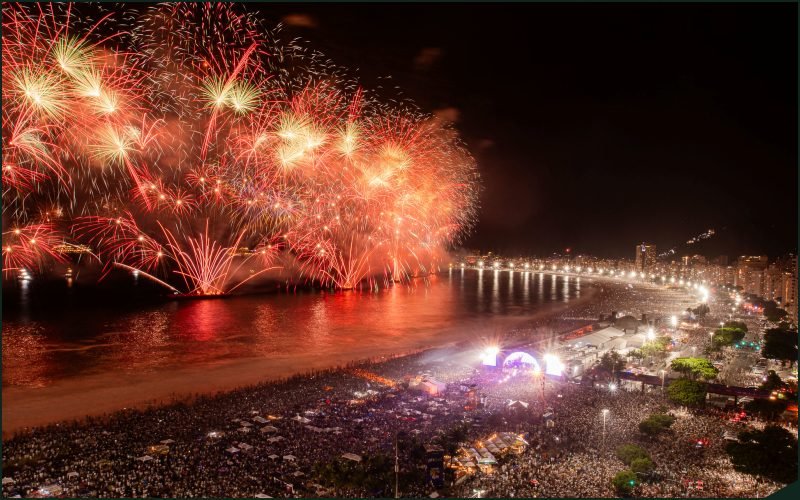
column 192, row 144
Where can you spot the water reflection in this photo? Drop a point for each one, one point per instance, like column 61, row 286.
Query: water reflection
column 172, row 335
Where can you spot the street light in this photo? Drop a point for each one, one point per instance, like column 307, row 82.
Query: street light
column 663, row 374
column 605, row 414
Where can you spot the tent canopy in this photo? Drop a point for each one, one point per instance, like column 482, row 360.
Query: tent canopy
column 352, row 456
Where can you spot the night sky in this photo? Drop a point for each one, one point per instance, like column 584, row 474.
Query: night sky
column 597, row 126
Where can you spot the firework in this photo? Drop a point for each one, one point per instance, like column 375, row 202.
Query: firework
column 192, row 144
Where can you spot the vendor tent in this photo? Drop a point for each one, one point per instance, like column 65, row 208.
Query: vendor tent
column 167, row 441
column 261, row 495
column 245, row 447
column 72, row 474
column 260, row 420
column 269, row 428
column 144, row 458
column 352, row 456
column 289, row 457
column 232, row 450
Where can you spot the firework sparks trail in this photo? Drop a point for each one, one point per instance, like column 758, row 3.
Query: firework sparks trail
column 192, row 136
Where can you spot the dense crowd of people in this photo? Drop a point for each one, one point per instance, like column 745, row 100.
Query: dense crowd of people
column 271, row 439
column 278, row 439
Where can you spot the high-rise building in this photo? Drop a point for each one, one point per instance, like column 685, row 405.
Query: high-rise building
column 645, row 257
column 750, row 273
column 790, row 290
column 775, row 278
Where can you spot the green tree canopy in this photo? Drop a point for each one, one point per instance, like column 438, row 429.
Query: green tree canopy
column 656, row 346
column 642, row 466
column 741, row 325
column 771, row 453
column 728, row 336
column 656, row 424
column 627, row 453
column 687, row 392
column 780, row 344
column 694, row 367
column 624, row 482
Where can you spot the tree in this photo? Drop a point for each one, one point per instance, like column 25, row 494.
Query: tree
column 774, row 313
column 656, row 346
column 687, row 392
column 741, row 325
column 627, row 453
column 771, row 453
column 636, row 354
column 773, row 382
column 767, row 408
column 624, row 482
column 727, row 336
column 612, row 362
column 780, row 344
column 642, row 466
column 694, row 367
column 656, row 424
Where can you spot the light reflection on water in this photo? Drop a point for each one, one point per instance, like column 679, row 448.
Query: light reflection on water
column 37, row 351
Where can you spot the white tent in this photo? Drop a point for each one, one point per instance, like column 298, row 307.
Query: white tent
column 302, row 420
column 245, row 423
column 245, row 446
column 275, row 439
column 144, row 458
column 297, row 473
column 261, row 495
column 168, row 441
column 289, row 457
column 269, row 428
column 273, row 456
column 72, row 474
column 232, row 450
column 260, row 420
column 7, row 480
column 433, row 495
column 352, row 456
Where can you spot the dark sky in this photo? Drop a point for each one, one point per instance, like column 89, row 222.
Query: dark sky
column 598, row 126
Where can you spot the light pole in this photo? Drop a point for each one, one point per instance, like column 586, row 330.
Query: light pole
column 605, row 414
column 663, row 374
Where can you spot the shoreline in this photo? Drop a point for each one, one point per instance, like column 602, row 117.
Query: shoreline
column 25, row 408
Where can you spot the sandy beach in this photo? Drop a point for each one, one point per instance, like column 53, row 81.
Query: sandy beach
column 97, row 394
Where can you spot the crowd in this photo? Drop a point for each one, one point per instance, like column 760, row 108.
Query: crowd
column 275, row 439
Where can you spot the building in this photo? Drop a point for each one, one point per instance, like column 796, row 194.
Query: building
column 790, row 289
column 776, row 283
column 750, row 273
column 645, row 257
